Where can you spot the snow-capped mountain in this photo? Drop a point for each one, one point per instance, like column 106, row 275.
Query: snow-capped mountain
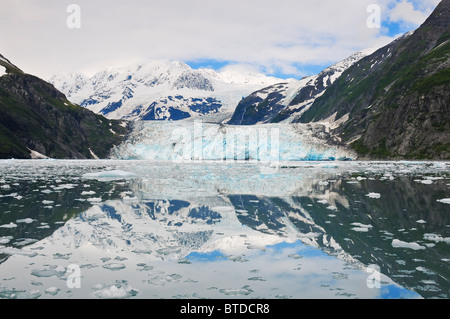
column 288, row 101
column 161, row 90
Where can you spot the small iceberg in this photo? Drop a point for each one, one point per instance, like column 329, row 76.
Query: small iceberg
column 401, row 244
column 110, row 175
column 444, row 201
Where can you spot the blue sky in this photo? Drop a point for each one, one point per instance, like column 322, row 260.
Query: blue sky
column 391, row 28
column 284, row 38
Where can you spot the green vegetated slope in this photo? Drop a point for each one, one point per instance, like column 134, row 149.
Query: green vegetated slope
column 397, row 99
column 35, row 116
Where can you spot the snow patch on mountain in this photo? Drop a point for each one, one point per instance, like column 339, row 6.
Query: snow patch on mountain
column 286, row 102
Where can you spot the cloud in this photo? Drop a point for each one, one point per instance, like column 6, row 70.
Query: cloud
column 405, row 12
column 283, row 35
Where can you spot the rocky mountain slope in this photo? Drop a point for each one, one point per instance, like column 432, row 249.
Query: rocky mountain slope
column 36, row 120
column 161, row 90
column 286, row 102
column 398, row 99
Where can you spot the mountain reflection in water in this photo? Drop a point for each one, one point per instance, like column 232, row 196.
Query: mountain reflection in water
column 214, row 230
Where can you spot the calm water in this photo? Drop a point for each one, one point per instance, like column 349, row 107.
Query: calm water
column 133, row 229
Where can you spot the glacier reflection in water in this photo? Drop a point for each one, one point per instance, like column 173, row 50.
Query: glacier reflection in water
column 140, row 229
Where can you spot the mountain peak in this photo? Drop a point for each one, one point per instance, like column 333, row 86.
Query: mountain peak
column 161, row 90
column 287, row 101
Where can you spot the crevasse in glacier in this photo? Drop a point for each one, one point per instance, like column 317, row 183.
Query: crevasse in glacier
column 195, row 140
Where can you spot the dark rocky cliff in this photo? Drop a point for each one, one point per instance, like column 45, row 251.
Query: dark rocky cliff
column 35, row 116
column 398, row 99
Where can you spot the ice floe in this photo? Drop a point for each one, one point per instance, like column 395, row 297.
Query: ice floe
column 402, row 244
column 110, row 175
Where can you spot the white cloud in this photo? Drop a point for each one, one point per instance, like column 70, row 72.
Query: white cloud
column 270, row 35
column 405, row 12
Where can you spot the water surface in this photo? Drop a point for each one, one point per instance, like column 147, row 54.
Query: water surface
column 139, row 229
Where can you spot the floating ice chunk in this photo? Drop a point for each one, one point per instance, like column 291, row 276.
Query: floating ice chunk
column 130, row 199
column 360, row 229
column 18, row 294
column 110, row 175
column 14, row 251
column 436, row 238
column 114, row 291
column 65, row 186
column 25, row 220
column 323, row 183
column 5, row 240
column 374, row 195
column 114, row 266
column 421, row 221
column 47, row 202
column 52, row 291
column 51, row 271
column 10, row 225
column 257, row 247
column 244, row 291
column 444, row 201
column 61, row 256
column 331, row 207
column 322, row 201
column 169, row 250
column 25, row 241
column 425, row 270
column 428, row 282
column 361, row 225
column 87, row 193
column 396, row 243
column 94, row 200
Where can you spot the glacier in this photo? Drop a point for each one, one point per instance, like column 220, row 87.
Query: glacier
column 186, row 141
